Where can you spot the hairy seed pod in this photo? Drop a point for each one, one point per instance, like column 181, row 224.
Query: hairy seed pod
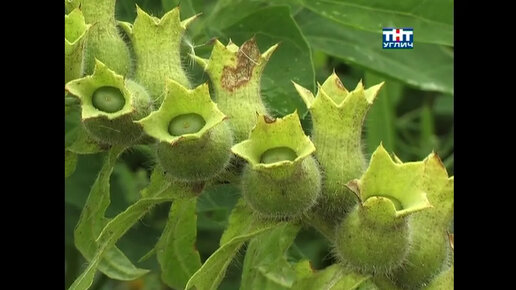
column 281, row 178
column 430, row 247
column 110, row 104
column 104, row 41
column 156, row 44
column 236, row 74
column 194, row 141
column 337, row 117
column 375, row 236
column 75, row 34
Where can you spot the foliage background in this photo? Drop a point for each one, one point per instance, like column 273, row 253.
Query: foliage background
column 413, row 114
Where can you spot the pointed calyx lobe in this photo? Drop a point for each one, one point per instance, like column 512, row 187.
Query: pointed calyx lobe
column 156, row 43
column 109, row 105
column 236, row 74
column 431, row 248
column 194, row 141
column 337, row 116
column 281, row 178
column 375, row 237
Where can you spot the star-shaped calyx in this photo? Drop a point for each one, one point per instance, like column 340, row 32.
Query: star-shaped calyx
column 156, row 44
column 194, row 142
column 109, row 105
column 338, row 116
column 390, row 189
column 431, row 249
column 182, row 102
column 281, row 178
column 283, row 134
column 375, row 236
column 236, row 75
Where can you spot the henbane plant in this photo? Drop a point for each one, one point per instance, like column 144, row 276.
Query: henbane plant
column 387, row 220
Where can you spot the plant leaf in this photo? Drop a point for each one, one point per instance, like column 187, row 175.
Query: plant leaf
column 70, row 163
column 101, row 251
column 265, row 264
column 432, row 20
column 243, row 225
column 176, row 252
column 427, row 66
column 116, row 265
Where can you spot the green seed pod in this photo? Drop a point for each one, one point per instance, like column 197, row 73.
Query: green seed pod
column 337, row 117
column 75, row 34
column 430, row 247
column 194, row 142
column 103, row 39
column 375, row 237
column 110, row 104
column 236, row 74
column 281, row 178
column 156, row 44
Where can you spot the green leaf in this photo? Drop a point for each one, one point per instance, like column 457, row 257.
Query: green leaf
column 102, row 248
column 432, row 20
column 228, row 12
column 333, row 277
column 265, row 264
column 70, row 163
column 176, row 252
column 115, row 264
column 427, row 66
column 291, row 61
column 243, row 225
column 214, row 206
column 444, row 105
column 380, row 122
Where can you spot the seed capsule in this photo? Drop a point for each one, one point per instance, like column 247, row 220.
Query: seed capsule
column 186, row 124
column 278, row 154
column 108, row 99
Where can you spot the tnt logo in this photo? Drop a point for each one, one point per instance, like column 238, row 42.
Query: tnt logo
column 398, row 38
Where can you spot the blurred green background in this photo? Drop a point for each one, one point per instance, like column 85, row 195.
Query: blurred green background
column 412, row 116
